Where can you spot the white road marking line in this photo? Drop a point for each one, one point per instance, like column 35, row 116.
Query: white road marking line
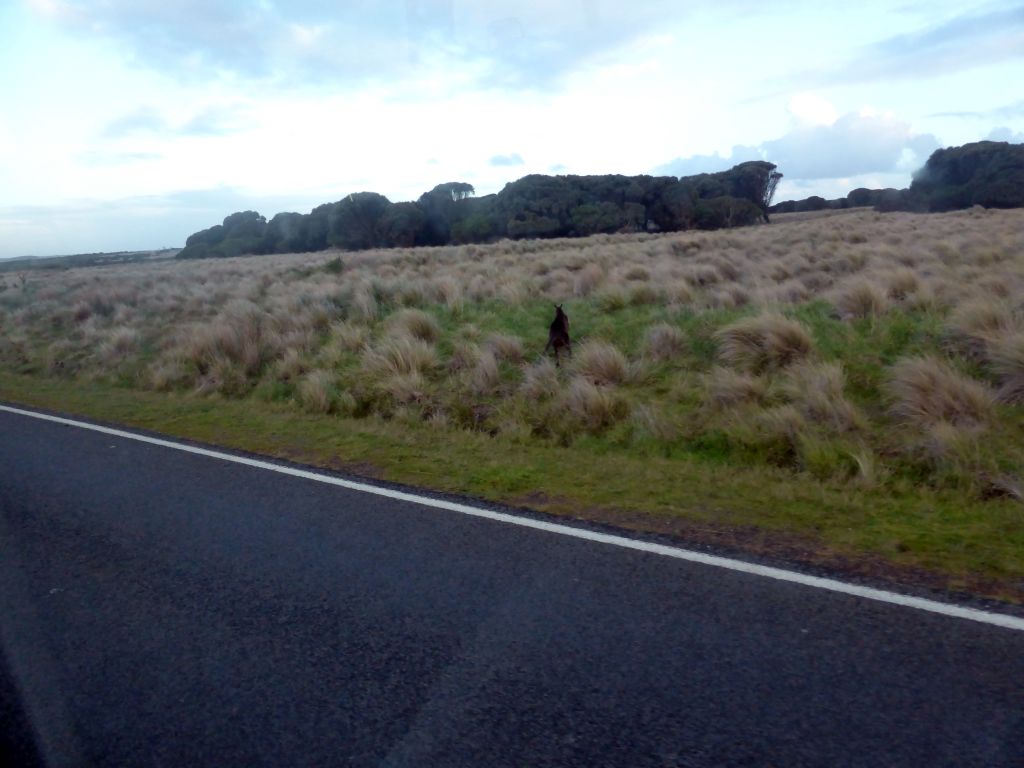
column 833, row 585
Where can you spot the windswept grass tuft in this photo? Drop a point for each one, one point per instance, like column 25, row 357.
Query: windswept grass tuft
column 601, row 363
column 484, row 377
column 861, row 298
column 399, row 355
column 243, row 336
column 506, row 347
column 977, row 324
column 593, row 408
column 540, row 381
column 664, row 342
column 816, row 389
column 763, row 343
column 725, row 388
column 1006, row 358
column 926, row 391
column 415, row 323
column 318, row 391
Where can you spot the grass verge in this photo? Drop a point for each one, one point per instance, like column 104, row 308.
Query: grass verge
column 914, row 535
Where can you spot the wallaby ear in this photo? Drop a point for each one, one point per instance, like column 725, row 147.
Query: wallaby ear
column 558, row 306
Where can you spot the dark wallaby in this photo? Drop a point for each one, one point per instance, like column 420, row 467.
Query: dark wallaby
column 558, row 335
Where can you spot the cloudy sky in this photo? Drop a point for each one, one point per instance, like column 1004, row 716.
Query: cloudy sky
column 129, row 124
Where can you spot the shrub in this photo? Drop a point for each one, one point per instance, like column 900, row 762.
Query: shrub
column 766, row 342
column 926, row 390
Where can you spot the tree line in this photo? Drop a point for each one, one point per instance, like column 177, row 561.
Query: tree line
column 535, row 206
column 986, row 173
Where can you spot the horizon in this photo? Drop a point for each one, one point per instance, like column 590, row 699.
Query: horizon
column 269, row 216
column 129, row 128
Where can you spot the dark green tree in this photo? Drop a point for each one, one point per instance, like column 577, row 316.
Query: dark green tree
column 401, row 224
column 356, row 222
column 286, row 233
column 443, row 206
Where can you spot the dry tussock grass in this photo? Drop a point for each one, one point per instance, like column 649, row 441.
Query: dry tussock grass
column 817, row 392
column 405, row 388
column 767, row 342
column 592, row 407
column 925, row 391
column 505, row 347
column 977, row 324
column 415, row 323
column 399, row 355
column 953, row 258
column 317, row 391
column 701, row 325
column 242, row 335
column 484, row 377
column 725, row 388
column 1006, row 358
column 601, row 363
column 664, row 342
column 861, row 298
column 540, row 381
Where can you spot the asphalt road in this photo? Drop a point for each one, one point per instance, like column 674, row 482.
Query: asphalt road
column 163, row 608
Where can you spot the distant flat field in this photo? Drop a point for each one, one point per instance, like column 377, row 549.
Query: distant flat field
column 844, row 389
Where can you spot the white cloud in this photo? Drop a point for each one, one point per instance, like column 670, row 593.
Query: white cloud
column 811, row 109
column 696, row 164
column 1006, row 134
column 506, row 160
column 854, row 144
column 969, row 39
column 850, row 145
column 830, row 189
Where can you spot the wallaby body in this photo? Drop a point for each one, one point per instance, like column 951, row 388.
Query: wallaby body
column 558, row 334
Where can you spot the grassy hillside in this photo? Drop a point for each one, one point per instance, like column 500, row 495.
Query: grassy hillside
column 28, row 263
column 846, row 386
